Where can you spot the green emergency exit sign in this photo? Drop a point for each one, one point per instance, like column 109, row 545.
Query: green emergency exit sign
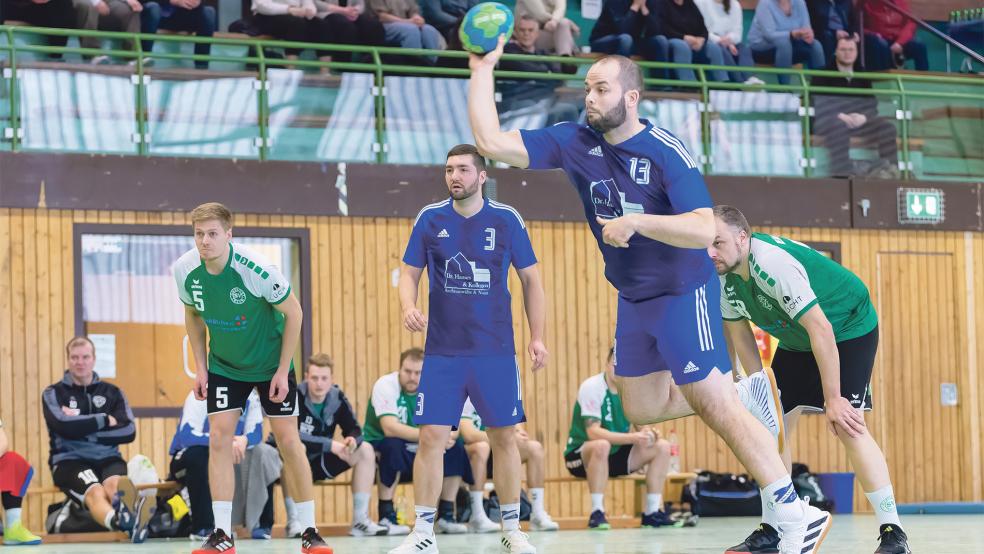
column 920, row 205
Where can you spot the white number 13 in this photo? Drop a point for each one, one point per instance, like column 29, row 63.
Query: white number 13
column 490, row 238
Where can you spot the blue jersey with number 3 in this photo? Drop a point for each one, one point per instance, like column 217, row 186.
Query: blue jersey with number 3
column 650, row 173
column 467, row 261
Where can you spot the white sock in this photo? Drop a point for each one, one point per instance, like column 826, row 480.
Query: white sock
column 222, row 512
column 536, row 497
column 291, row 509
column 654, row 502
column 781, row 498
column 477, row 504
column 107, row 523
column 768, row 514
column 597, row 501
column 424, row 524
column 305, row 514
column 13, row 516
column 510, row 517
column 360, row 506
column 883, row 501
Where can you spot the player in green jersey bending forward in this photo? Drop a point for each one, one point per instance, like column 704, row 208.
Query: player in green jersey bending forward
column 828, row 334
column 254, row 324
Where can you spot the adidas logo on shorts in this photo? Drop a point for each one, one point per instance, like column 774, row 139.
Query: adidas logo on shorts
column 443, row 234
column 691, row 367
column 596, row 151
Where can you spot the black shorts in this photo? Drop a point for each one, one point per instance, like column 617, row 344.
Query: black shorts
column 225, row 394
column 327, row 466
column 618, row 463
column 76, row 477
column 798, row 375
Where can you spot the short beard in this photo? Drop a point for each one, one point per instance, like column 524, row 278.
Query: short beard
column 614, row 118
column 465, row 194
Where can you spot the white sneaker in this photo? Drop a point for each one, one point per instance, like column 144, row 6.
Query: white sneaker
column 367, row 528
column 480, row 523
column 417, row 544
column 753, row 80
column 760, row 395
column 394, row 529
column 293, row 530
column 517, row 542
column 448, row 527
column 543, row 523
column 804, row 536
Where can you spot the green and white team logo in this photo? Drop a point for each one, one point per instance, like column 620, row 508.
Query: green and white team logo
column 237, row 296
column 887, row 505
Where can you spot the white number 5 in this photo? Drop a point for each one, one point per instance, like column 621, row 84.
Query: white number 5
column 221, row 397
column 490, row 238
column 196, row 296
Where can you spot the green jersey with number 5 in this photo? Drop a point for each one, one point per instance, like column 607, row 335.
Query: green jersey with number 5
column 787, row 279
column 237, row 305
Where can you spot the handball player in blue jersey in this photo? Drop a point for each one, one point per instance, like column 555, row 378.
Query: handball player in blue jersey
column 648, row 207
column 467, row 244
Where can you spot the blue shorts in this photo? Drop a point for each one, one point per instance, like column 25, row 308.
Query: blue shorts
column 396, row 456
column 680, row 334
column 492, row 383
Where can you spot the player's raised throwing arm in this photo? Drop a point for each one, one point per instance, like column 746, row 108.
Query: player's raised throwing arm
column 491, row 141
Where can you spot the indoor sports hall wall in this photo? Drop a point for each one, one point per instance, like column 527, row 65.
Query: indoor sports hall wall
column 926, row 286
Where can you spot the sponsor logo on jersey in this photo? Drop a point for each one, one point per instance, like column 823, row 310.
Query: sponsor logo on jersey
column 443, row 234
column 764, row 302
column 462, row 276
column 99, row 401
column 279, row 291
column 596, row 151
column 691, row 368
column 237, row 296
column 609, row 202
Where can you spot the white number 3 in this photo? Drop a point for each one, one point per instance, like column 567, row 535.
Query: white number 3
column 490, row 238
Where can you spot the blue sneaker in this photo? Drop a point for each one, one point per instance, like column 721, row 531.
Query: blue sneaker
column 659, row 518
column 598, row 521
column 261, row 533
column 144, row 511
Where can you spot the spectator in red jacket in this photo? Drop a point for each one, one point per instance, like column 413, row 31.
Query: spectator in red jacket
column 889, row 36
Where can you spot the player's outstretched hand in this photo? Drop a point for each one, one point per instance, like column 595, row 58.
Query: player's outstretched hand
column 278, row 387
column 617, row 231
column 476, row 62
column 414, row 320
column 841, row 414
column 201, row 385
column 538, row 354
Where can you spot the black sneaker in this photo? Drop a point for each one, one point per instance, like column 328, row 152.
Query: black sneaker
column 218, row 541
column 312, row 543
column 763, row 540
column 659, row 518
column 597, row 520
column 892, row 540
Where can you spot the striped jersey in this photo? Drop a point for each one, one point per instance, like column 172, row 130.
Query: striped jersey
column 649, row 173
column 467, row 261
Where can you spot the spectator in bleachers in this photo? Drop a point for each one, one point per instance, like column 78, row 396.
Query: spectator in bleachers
column 106, row 15
column 601, row 444
column 404, row 25
column 683, row 26
column 831, row 20
column 479, row 452
column 295, row 21
column 189, row 451
column 525, row 40
column 781, row 35
column 619, row 27
column 190, row 16
column 445, row 15
column 390, row 429
column 351, row 23
column 839, row 117
column 324, row 408
column 723, row 19
column 557, row 32
column 59, row 14
column 87, row 420
column 15, row 476
column 889, row 37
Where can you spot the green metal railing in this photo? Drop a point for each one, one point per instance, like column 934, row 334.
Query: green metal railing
column 902, row 88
